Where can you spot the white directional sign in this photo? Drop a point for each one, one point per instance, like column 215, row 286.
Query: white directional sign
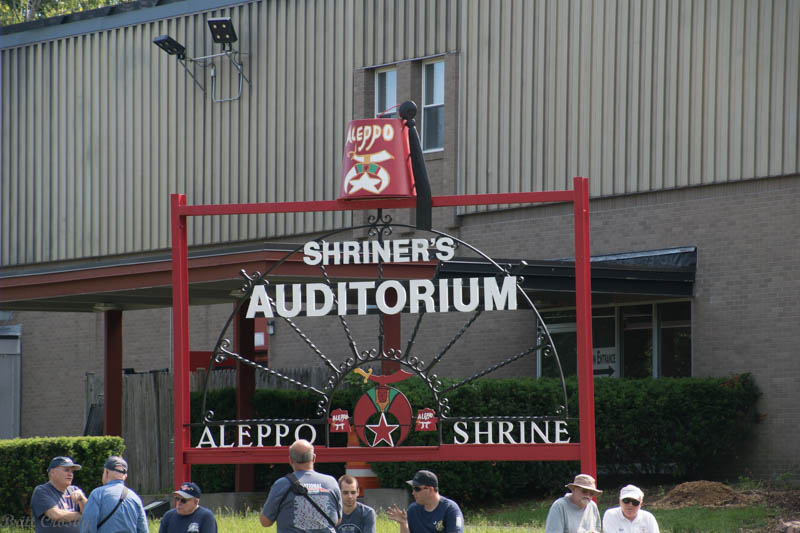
column 606, row 362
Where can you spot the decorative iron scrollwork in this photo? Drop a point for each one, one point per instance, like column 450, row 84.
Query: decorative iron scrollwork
column 377, row 227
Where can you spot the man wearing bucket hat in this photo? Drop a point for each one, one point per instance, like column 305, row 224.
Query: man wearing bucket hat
column 575, row 512
column 57, row 505
column 629, row 516
column 188, row 516
column 430, row 512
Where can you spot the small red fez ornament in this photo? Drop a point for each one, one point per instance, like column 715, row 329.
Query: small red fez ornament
column 376, row 160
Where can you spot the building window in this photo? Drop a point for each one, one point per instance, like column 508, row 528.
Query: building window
column 386, row 92
column 433, row 106
column 623, row 343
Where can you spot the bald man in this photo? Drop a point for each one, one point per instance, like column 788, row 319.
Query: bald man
column 293, row 512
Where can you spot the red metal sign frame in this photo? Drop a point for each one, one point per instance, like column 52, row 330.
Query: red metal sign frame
column 584, row 451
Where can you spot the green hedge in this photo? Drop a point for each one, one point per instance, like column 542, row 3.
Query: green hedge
column 24, row 462
column 685, row 428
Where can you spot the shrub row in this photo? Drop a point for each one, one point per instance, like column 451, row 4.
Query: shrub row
column 24, row 462
column 685, row 428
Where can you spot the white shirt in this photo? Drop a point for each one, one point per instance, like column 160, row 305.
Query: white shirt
column 615, row 522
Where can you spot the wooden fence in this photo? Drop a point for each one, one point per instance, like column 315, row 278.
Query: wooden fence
column 147, row 415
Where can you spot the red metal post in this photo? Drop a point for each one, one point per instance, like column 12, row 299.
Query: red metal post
column 583, row 311
column 585, row 451
column 112, row 374
column 180, row 345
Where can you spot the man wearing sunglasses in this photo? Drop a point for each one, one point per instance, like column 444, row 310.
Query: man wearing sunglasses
column 188, row 516
column 113, row 506
column 629, row 516
column 430, row 512
column 575, row 512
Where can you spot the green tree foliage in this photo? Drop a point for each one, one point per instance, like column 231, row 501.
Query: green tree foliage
column 18, row 11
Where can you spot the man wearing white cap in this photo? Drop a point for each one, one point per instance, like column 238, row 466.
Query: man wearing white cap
column 629, row 516
column 575, row 512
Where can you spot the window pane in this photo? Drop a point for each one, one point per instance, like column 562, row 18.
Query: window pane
column 566, row 346
column 637, row 341
column 676, row 339
column 386, row 92
column 434, row 83
column 433, row 124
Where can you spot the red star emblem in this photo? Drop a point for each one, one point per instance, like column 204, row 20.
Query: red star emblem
column 383, row 431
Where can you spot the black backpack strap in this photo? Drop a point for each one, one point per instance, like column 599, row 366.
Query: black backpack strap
column 297, row 488
column 114, row 510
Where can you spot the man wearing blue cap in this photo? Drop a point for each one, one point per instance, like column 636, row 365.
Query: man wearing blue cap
column 430, row 512
column 188, row 516
column 57, row 505
column 114, row 507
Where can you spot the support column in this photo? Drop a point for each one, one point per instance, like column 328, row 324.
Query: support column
column 583, row 312
column 244, row 343
column 180, row 339
column 112, row 374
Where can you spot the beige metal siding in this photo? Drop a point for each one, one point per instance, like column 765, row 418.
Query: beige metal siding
column 638, row 96
column 387, row 31
column 99, row 129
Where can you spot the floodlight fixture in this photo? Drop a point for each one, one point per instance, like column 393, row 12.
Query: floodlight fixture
column 222, row 31
column 170, row 46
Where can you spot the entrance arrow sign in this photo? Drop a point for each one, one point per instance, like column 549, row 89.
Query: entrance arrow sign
column 608, row 371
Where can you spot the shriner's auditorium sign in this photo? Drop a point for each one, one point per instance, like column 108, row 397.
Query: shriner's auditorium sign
column 397, row 283
column 379, row 163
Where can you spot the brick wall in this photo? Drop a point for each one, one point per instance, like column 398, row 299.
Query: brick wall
column 59, row 349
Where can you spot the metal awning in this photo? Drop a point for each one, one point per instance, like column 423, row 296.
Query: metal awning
column 145, row 282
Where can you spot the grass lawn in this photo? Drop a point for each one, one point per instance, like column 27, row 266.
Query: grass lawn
column 530, row 517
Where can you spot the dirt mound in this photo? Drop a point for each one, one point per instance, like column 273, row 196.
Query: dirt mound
column 700, row 494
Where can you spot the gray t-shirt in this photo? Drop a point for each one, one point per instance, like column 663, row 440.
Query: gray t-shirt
column 293, row 513
column 566, row 517
column 361, row 520
column 44, row 498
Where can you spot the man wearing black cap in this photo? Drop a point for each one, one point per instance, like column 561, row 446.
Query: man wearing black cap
column 114, row 507
column 430, row 512
column 188, row 516
column 57, row 504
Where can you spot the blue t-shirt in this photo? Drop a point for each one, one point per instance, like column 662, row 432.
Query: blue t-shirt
column 293, row 513
column 44, row 498
column 200, row 521
column 446, row 518
column 361, row 520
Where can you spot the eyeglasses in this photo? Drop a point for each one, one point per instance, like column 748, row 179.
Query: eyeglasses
column 182, row 500
column 417, row 489
column 631, row 501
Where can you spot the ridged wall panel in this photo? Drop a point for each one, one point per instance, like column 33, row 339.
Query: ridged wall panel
column 636, row 95
column 98, row 129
